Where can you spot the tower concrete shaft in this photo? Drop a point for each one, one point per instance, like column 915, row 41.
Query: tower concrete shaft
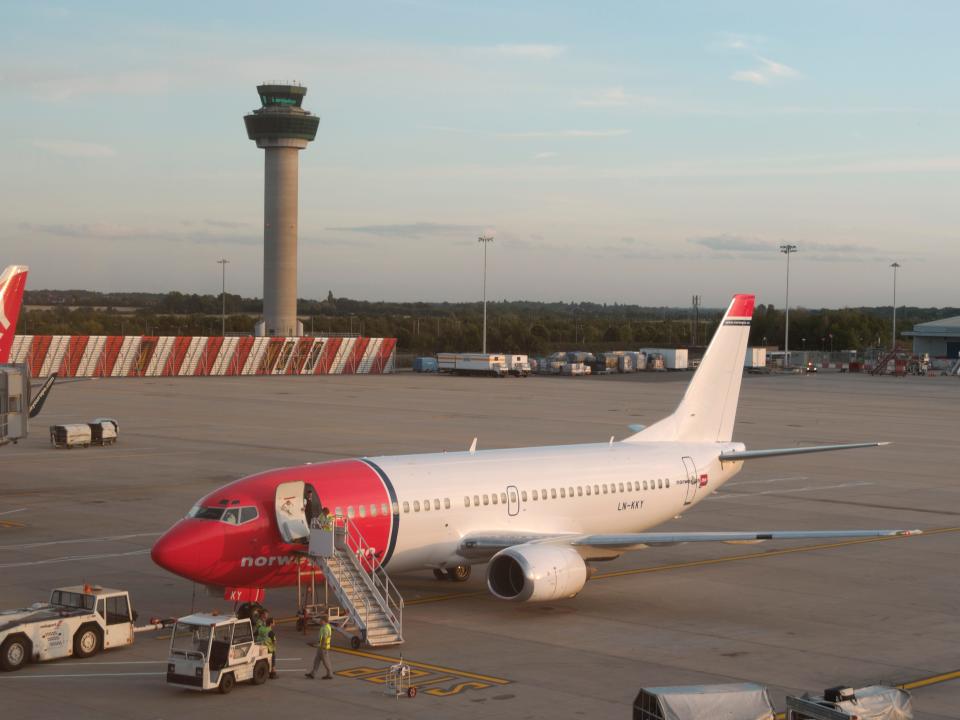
column 282, row 129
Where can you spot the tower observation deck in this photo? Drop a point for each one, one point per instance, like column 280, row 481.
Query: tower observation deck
column 282, row 128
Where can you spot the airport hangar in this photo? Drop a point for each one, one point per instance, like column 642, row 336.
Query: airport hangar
column 937, row 338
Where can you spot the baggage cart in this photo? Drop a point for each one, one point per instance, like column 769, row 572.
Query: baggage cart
column 72, row 435
column 397, row 680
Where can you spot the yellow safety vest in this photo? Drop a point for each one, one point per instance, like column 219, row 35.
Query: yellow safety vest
column 325, row 633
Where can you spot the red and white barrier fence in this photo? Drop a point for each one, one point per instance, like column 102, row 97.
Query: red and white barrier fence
column 166, row 356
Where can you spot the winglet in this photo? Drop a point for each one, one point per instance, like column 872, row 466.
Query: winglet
column 473, row 446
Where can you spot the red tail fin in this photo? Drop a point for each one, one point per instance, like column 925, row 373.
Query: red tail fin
column 12, row 282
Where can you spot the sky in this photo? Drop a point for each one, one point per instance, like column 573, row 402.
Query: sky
column 632, row 152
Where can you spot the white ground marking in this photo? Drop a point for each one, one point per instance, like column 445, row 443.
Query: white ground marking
column 105, row 538
column 10, row 512
column 727, row 496
column 768, row 480
column 73, row 558
column 81, row 675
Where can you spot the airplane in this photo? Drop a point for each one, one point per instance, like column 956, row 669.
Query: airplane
column 12, row 282
column 539, row 517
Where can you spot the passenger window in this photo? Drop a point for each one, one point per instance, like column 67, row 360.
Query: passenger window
column 396, row 508
column 494, row 498
column 621, row 487
column 604, row 488
column 629, row 485
column 486, row 499
column 466, row 501
column 117, row 610
column 426, row 505
column 588, row 489
column 660, row 483
column 338, row 512
column 362, row 509
column 523, row 495
column 668, row 482
column 373, row 510
column 231, row 516
column 476, row 500
column 406, row 506
column 247, row 514
column 563, row 492
column 349, row 511
column 384, row 509
column 446, row 503
column 543, row 494
column 503, row 498
column 579, row 491
column 416, row 506
column 553, row 493
column 436, row 504
column 644, row 484
column 534, row 495
column 596, row 489
column 513, row 496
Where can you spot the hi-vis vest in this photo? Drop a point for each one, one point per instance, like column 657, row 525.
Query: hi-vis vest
column 263, row 638
column 325, row 633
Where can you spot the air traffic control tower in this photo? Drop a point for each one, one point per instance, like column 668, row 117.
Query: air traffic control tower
column 282, row 128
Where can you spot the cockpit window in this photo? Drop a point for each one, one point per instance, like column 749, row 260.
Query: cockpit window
column 230, row 516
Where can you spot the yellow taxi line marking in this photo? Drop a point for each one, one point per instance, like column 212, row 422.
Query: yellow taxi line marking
column 932, row 680
column 425, row 666
column 440, row 598
column 11, row 524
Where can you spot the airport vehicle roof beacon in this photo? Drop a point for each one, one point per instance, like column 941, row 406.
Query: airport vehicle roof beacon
column 539, row 516
column 282, row 129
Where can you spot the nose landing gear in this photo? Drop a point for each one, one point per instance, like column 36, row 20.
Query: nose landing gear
column 458, row 573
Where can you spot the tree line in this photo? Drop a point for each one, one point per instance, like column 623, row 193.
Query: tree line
column 428, row 327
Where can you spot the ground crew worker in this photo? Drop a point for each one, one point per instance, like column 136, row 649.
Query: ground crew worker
column 267, row 638
column 323, row 649
column 326, row 519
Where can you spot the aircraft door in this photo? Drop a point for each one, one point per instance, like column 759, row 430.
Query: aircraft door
column 513, row 501
column 291, row 520
column 693, row 480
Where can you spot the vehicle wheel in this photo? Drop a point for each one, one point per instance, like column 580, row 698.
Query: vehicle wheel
column 440, row 574
column 355, row 642
column 260, row 672
column 87, row 641
column 460, row 573
column 227, row 681
column 15, row 653
column 412, row 691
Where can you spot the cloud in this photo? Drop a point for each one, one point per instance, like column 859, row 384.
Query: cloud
column 531, row 51
column 565, row 134
column 545, row 155
column 126, row 233
column 616, row 97
column 61, row 84
column 411, row 230
column 72, row 149
column 732, row 242
column 768, row 72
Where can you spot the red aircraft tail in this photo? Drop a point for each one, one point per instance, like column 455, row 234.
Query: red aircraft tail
column 12, row 282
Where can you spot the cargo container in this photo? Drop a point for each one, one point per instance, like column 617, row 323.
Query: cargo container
column 673, row 358
column 425, row 365
column 575, row 368
column 756, row 358
column 625, row 363
column 472, row 364
column 68, row 436
column 518, row 365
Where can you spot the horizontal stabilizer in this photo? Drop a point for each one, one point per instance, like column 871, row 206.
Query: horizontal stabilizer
column 735, row 455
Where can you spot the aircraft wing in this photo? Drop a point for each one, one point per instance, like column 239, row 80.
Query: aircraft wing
column 485, row 546
column 735, row 455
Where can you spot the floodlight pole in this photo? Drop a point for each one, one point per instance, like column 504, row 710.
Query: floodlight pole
column 787, row 250
column 222, row 262
column 485, row 240
column 893, row 339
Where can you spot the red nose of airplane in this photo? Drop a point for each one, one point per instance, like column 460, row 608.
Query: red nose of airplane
column 191, row 549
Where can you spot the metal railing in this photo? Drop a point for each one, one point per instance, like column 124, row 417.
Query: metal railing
column 364, row 559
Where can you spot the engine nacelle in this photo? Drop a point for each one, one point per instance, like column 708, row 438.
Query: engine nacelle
column 536, row 573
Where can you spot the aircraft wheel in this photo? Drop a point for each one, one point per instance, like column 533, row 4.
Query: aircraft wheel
column 226, row 683
column 460, row 573
column 440, row 574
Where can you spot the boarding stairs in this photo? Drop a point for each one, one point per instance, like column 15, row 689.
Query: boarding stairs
column 955, row 368
column 372, row 604
column 880, row 368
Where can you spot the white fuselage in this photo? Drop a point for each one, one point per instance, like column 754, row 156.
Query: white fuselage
column 567, row 489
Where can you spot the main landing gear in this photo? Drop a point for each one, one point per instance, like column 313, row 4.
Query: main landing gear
column 458, row 573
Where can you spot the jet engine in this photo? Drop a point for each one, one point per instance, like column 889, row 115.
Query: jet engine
column 536, row 573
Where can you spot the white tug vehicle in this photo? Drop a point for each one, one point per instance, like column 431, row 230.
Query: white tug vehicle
column 210, row 652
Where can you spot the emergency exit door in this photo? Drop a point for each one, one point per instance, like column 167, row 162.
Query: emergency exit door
column 693, row 480
column 513, row 501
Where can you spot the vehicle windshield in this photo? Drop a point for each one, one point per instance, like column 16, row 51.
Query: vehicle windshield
column 189, row 638
column 72, row 600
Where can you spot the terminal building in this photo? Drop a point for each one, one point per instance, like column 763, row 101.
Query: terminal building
column 937, row 338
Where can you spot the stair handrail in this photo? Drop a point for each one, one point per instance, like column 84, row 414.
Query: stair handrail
column 363, row 614
column 376, row 577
